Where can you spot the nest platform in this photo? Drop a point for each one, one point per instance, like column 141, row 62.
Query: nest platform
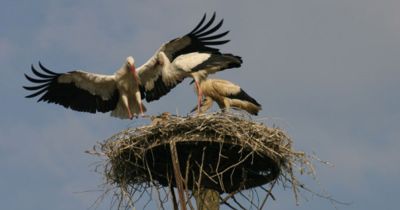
column 223, row 152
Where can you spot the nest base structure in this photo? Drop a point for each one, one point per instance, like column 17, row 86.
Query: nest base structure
column 225, row 153
column 225, row 167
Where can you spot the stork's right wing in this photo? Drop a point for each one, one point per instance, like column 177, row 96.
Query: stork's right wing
column 77, row 90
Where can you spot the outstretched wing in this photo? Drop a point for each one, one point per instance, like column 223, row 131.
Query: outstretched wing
column 200, row 39
column 157, row 81
column 77, row 90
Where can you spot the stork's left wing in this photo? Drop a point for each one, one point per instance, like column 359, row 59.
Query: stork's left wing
column 200, row 39
column 157, row 81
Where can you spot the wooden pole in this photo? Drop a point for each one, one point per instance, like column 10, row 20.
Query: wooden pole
column 207, row 199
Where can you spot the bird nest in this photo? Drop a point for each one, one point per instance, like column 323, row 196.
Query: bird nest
column 226, row 153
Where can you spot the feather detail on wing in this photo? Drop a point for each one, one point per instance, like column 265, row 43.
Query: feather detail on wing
column 77, row 90
column 157, row 79
column 228, row 94
column 231, row 90
column 198, row 40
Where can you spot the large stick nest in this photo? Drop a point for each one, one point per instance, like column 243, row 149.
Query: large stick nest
column 223, row 152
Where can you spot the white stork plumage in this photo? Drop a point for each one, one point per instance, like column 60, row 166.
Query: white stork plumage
column 188, row 56
column 226, row 94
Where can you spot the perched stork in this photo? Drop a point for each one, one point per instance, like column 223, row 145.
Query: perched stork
column 188, row 56
column 227, row 95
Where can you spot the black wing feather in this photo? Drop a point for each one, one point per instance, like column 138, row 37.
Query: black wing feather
column 214, row 29
column 201, row 38
column 208, row 24
column 48, row 71
column 38, row 74
column 216, row 42
column 199, row 24
column 35, row 87
column 67, row 94
column 36, row 80
column 160, row 89
column 215, row 36
column 242, row 95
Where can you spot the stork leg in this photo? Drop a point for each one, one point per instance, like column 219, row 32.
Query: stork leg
column 126, row 103
column 129, row 113
column 139, row 100
column 199, row 96
column 226, row 105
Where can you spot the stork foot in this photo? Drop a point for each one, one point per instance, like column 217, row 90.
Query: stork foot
column 130, row 116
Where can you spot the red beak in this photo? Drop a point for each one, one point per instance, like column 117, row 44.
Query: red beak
column 133, row 70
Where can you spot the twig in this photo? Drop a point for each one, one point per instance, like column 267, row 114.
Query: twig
column 178, row 176
column 268, row 194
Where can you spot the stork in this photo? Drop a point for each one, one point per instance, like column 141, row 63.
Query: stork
column 226, row 94
column 121, row 93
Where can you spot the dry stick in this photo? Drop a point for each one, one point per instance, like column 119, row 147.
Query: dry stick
column 294, row 183
column 178, row 175
column 209, row 176
column 249, row 200
column 198, row 184
column 174, row 203
column 150, row 196
column 217, row 168
column 126, row 194
column 171, row 189
column 201, row 169
column 99, row 199
column 162, row 201
column 257, row 195
column 159, row 200
column 240, row 205
column 120, row 200
column 149, row 172
column 226, row 203
column 205, row 198
column 140, row 196
column 186, row 182
column 328, row 197
column 229, row 196
column 234, row 165
column 268, row 194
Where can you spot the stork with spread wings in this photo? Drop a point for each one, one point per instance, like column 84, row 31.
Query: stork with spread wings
column 192, row 55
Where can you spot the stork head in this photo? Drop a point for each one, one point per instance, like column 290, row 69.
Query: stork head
column 130, row 61
column 130, row 64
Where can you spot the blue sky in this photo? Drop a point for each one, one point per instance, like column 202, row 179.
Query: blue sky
column 326, row 71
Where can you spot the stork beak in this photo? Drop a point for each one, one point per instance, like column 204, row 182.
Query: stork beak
column 132, row 68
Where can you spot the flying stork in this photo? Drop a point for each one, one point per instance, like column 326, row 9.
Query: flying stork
column 191, row 55
column 226, row 94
